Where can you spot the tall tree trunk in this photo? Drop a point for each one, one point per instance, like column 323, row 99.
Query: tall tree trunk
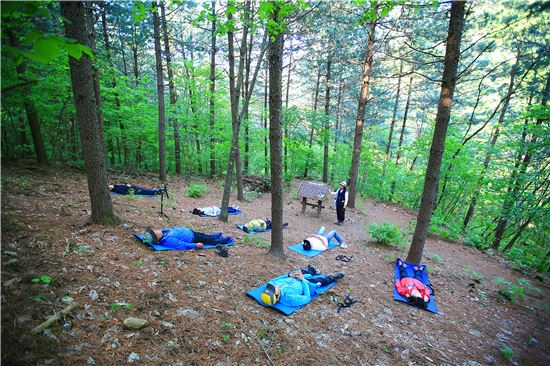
column 285, row 152
column 394, row 115
column 91, row 132
column 212, row 90
column 402, row 133
column 494, row 138
column 160, row 93
column 114, row 84
column 452, row 54
column 30, row 110
column 245, row 92
column 275, row 121
column 338, row 115
column 327, row 124
column 315, row 101
column 516, row 180
column 358, row 138
column 134, row 48
column 234, row 93
column 173, row 95
column 264, row 114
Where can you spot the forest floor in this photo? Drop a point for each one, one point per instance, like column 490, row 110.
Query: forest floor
column 195, row 300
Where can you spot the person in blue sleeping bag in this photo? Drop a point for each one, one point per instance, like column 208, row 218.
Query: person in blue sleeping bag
column 182, row 238
column 297, row 288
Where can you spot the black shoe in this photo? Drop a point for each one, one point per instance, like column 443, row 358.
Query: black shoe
column 337, row 276
column 222, row 251
column 312, row 269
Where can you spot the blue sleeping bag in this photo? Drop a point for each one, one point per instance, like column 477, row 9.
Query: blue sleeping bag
column 162, row 247
column 287, row 310
column 410, row 273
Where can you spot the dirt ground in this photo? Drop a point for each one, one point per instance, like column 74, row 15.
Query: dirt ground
column 195, row 300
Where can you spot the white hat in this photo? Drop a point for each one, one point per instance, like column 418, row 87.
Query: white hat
column 344, row 184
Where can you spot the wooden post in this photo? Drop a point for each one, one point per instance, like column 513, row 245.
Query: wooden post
column 319, row 206
column 304, row 200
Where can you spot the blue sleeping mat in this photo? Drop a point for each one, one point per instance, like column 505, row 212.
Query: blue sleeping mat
column 287, row 310
column 255, row 232
column 298, row 248
column 431, row 305
column 161, row 247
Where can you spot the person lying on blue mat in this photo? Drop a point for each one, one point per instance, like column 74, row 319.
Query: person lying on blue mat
column 297, row 288
column 214, row 210
column 412, row 288
column 259, row 225
column 320, row 242
column 131, row 189
column 182, row 238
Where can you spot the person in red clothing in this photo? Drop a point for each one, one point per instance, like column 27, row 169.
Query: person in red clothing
column 412, row 288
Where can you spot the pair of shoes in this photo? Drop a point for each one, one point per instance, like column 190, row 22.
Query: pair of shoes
column 337, row 276
column 400, row 263
column 337, row 223
column 226, row 239
column 312, row 269
column 222, row 251
column 419, row 268
column 344, row 246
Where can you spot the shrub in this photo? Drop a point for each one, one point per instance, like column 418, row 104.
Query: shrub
column 196, row 191
column 387, row 234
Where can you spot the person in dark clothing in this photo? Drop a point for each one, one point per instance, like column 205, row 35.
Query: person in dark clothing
column 131, row 189
column 341, row 201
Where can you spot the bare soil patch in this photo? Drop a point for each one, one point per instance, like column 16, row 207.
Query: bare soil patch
column 196, row 303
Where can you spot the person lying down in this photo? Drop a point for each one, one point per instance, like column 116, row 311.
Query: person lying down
column 132, row 189
column 320, row 242
column 182, row 238
column 214, row 210
column 258, row 226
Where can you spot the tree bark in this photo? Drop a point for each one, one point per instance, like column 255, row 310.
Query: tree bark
column 91, row 131
column 114, row 84
column 285, row 151
column 264, row 114
column 234, row 93
column 363, row 96
column 275, row 121
column 134, row 48
column 452, row 54
column 173, row 95
column 212, row 96
column 160, row 93
column 327, row 124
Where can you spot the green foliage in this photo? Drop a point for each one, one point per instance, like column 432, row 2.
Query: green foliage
column 196, row 191
column 251, row 195
column 115, row 306
column 473, row 274
column 506, row 351
column 42, row 279
column 225, row 325
column 510, row 291
column 257, row 241
column 386, row 234
column 225, row 337
column 138, row 262
column 436, row 258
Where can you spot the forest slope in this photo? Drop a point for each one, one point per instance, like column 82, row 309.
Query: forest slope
column 196, row 300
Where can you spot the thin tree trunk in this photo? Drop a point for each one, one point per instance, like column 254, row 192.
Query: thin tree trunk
column 315, row 100
column 245, row 92
column 285, row 152
column 275, row 121
column 30, row 110
column 402, row 133
column 91, row 131
column 160, row 93
column 173, row 95
column 494, row 138
column 358, row 138
column 394, row 115
column 114, row 84
column 516, row 180
column 327, row 124
column 234, row 92
column 134, row 48
column 264, row 114
column 452, row 54
column 212, row 90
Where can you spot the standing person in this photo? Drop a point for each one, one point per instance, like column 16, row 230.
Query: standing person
column 341, row 201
